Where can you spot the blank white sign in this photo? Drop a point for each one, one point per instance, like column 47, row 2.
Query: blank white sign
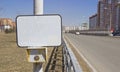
column 44, row 30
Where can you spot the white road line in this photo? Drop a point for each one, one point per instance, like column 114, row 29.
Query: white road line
column 93, row 69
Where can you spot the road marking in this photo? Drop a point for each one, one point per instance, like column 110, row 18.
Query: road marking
column 92, row 68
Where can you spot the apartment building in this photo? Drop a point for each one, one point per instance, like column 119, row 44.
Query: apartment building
column 93, row 22
column 108, row 15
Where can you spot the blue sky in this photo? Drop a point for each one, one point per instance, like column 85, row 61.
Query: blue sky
column 73, row 12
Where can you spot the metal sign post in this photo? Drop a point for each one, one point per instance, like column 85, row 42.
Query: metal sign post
column 37, row 33
column 38, row 10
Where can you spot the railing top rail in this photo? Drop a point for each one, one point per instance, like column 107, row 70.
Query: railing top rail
column 74, row 61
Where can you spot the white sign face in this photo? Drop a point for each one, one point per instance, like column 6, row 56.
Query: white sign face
column 44, row 30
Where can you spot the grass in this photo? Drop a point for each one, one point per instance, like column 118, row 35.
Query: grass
column 13, row 58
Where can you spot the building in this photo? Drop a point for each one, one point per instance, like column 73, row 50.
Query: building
column 6, row 23
column 108, row 15
column 117, row 15
column 104, row 14
column 85, row 26
column 93, row 22
column 67, row 29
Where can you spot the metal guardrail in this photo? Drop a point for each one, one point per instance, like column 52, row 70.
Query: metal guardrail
column 103, row 33
column 70, row 62
column 68, row 59
column 94, row 32
column 55, row 63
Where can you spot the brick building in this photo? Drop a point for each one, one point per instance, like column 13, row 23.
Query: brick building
column 108, row 15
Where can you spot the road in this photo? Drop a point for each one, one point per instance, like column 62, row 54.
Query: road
column 103, row 53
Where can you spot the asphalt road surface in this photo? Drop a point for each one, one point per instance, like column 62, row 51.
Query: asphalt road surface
column 103, row 53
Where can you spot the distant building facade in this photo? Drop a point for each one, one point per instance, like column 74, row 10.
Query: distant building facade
column 104, row 14
column 117, row 15
column 6, row 23
column 108, row 15
column 93, row 21
column 67, row 29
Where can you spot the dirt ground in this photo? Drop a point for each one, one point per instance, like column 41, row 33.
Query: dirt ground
column 13, row 58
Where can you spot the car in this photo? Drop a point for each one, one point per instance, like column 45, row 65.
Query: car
column 77, row 33
column 116, row 33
